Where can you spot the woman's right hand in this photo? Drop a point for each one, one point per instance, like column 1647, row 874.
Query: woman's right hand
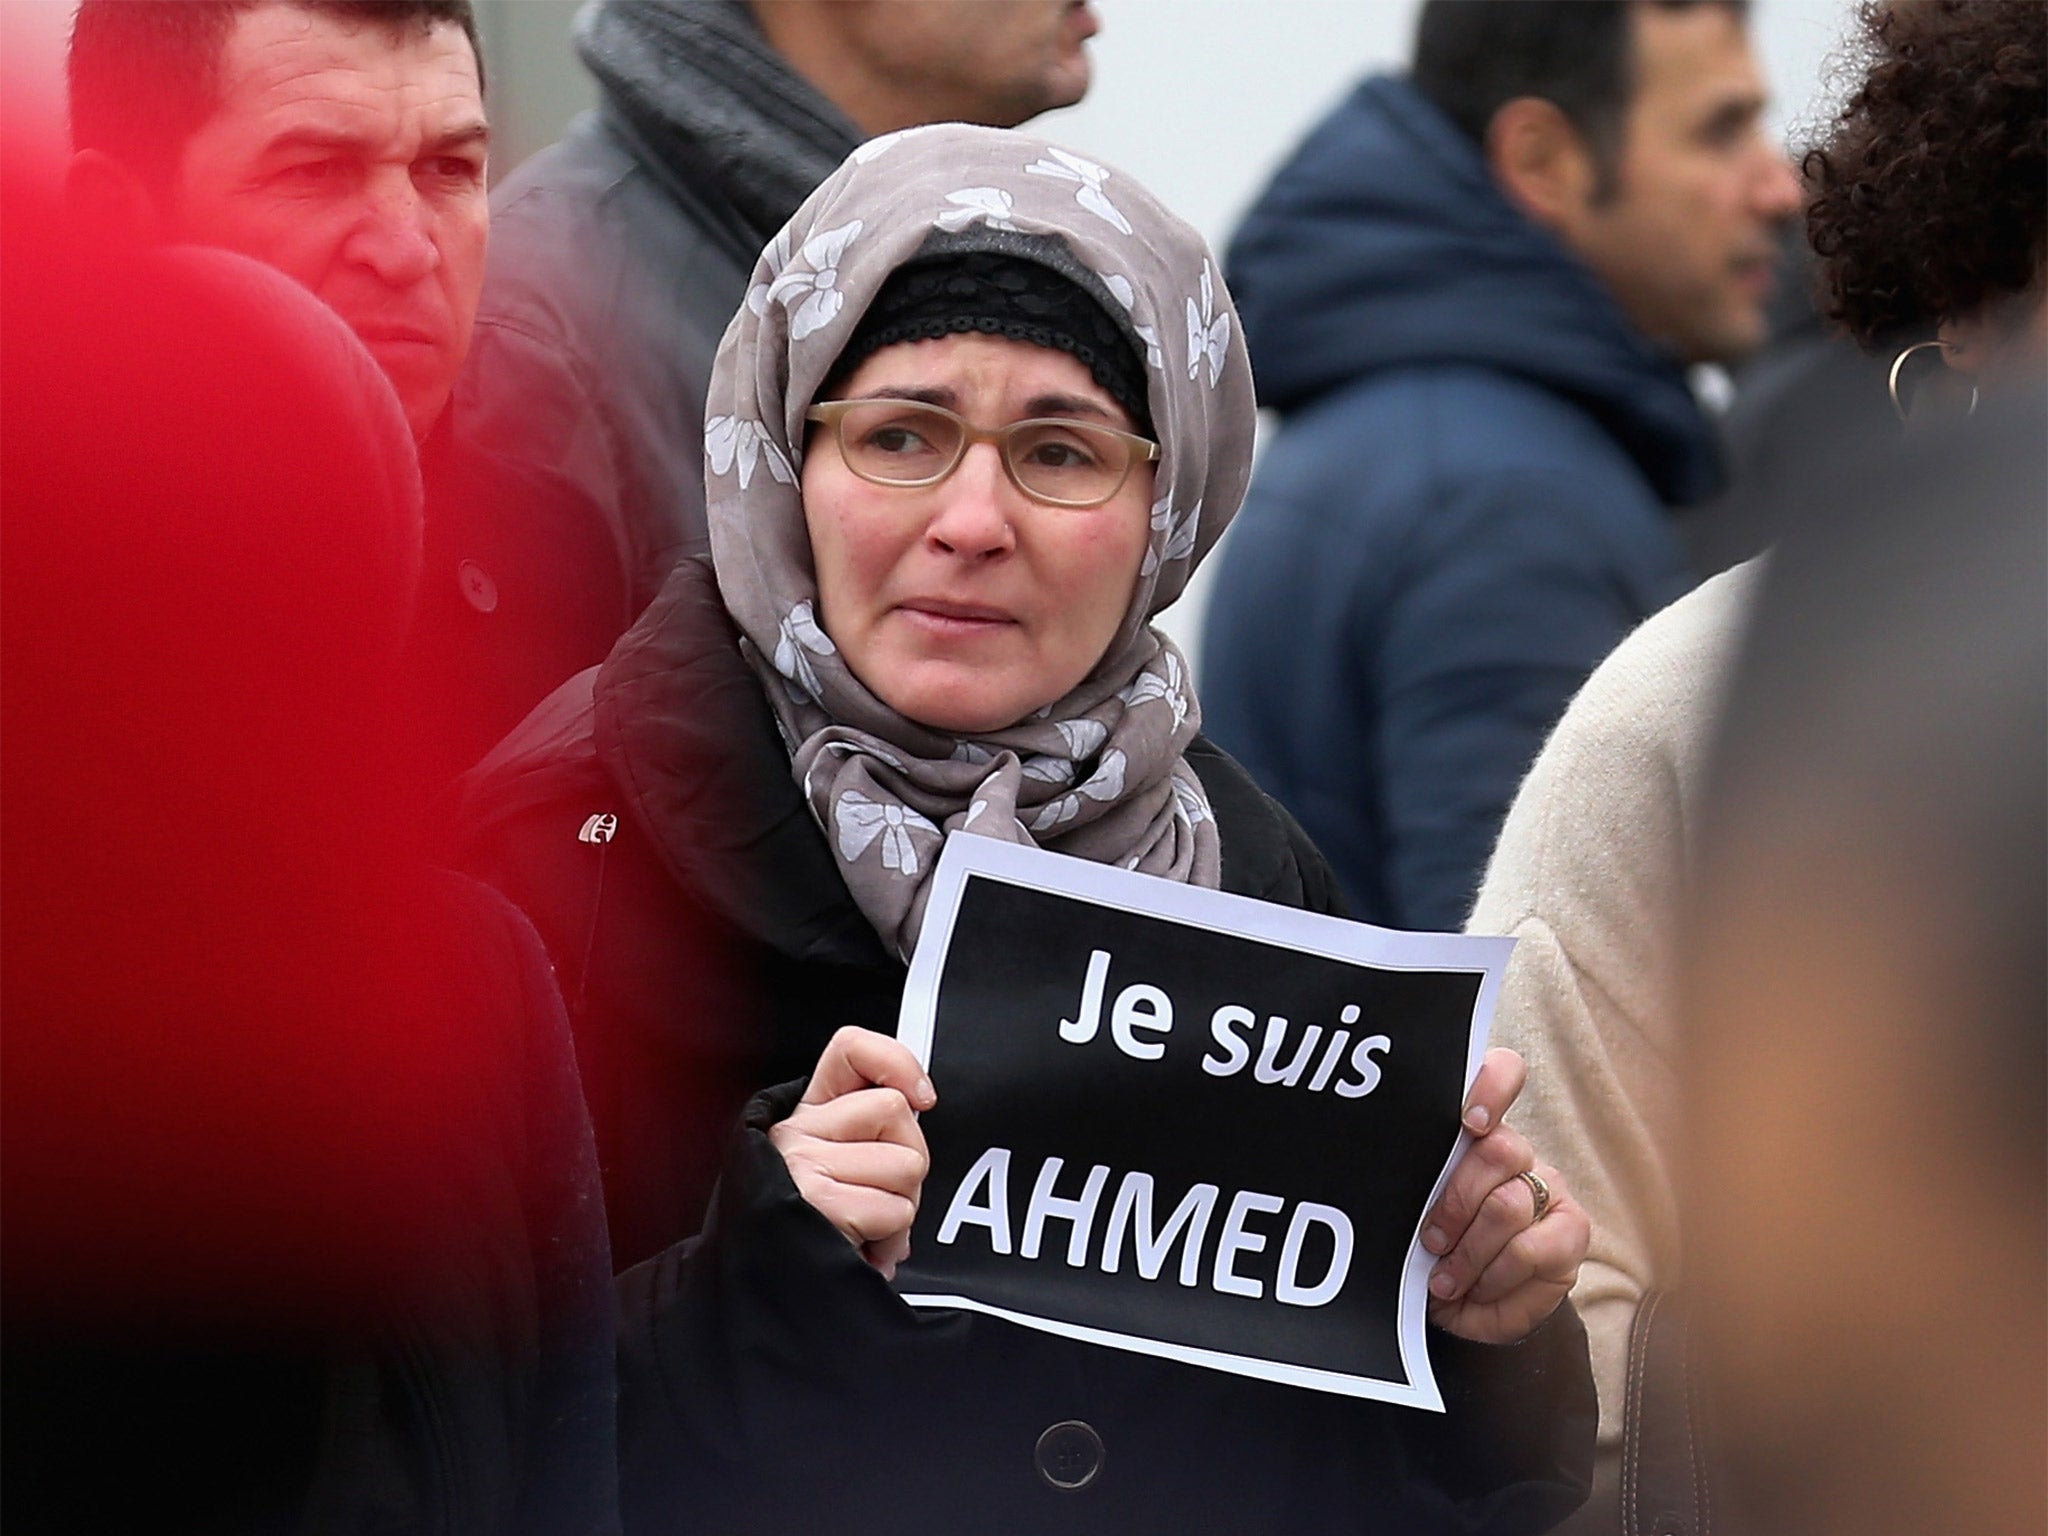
column 853, row 1146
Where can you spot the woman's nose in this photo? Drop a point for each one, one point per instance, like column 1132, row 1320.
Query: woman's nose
column 975, row 514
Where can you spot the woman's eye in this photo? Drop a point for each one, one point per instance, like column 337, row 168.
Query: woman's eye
column 895, row 440
column 1063, row 453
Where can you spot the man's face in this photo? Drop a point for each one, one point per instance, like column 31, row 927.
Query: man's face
column 1684, row 239
column 998, row 62
column 351, row 157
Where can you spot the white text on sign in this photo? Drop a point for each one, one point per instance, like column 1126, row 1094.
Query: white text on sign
column 983, row 1200
column 1141, row 1019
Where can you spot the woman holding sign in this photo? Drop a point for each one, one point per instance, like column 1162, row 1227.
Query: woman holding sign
column 986, row 408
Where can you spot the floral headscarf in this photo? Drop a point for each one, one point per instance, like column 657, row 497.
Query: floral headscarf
column 1099, row 773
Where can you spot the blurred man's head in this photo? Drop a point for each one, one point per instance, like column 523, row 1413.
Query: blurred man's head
column 342, row 143
column 890, row 64
column 1866, row 998
column 1633, row 131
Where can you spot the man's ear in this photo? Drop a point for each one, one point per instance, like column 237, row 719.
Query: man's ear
column 106, row 195
column 1541, row 163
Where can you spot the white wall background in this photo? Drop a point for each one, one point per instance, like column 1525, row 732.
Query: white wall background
column 1197, row 99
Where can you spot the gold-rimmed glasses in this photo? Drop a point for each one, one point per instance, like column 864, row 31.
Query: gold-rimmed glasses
column 912, row 443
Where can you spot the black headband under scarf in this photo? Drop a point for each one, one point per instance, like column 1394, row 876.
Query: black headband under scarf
column 998, row 294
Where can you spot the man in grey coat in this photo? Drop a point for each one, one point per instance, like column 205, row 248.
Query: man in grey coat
column 620, row 253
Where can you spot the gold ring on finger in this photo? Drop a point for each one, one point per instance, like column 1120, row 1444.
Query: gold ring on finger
column 1539, row 1192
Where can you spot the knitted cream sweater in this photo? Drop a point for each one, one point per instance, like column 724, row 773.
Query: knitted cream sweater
column 1588, row 874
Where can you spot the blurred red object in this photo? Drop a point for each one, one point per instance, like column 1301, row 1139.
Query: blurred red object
column 230, row 1086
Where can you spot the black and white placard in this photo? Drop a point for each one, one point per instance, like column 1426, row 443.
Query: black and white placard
column 1187, row 1123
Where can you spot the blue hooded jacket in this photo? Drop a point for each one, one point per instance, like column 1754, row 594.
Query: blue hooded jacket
column 1463, row 510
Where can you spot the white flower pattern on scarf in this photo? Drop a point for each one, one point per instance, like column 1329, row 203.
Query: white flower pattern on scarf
column 1105, row 784
column 1126, row 295
column 977, row 205
column 1208, row 332
column 1047, row 769
column 774, row 258
column 1084, row 738
column 862, row 821
column 1180, row 533
column 730, row 440
column 810, row 292
column 1071, row 167
column 1170, row 690
column 799, row 638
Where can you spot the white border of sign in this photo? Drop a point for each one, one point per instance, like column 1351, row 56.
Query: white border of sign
column 967, row 856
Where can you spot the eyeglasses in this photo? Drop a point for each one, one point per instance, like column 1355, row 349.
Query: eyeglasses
column 909, row 443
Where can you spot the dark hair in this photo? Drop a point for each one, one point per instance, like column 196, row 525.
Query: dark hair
column 145, row 74
column 1931, row 192
column 1473, row 57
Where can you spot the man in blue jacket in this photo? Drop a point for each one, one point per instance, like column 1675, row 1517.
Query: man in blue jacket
column 1472, row 295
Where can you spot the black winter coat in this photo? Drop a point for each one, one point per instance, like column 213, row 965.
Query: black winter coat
column 645, row 817
column 768, row 1375
column 704, row 937
column 519, row 590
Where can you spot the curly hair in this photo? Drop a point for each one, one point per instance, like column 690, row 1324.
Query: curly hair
column 1931, row 191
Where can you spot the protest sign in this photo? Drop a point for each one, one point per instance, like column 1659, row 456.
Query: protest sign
column 1187, row 1123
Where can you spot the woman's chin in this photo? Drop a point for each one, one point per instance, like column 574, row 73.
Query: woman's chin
column 974, row 705
column 962, row 719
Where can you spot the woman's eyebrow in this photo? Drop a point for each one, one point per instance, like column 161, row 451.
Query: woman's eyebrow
column 922, row 394
column 1037, row 405
column 1066, row 405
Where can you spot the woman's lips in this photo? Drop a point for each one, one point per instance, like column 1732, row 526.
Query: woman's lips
column 937, row 616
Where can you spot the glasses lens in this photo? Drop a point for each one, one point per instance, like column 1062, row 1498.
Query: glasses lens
column 1067, row 461
column 898, row 442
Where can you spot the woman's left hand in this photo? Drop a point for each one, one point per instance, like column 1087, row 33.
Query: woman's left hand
column 1503, row 1264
